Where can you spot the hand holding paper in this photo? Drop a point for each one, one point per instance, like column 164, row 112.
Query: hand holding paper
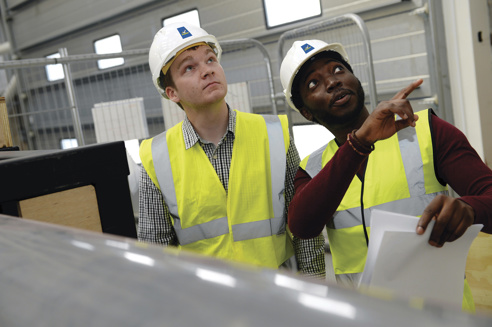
column 400, row 260
column 452, row 217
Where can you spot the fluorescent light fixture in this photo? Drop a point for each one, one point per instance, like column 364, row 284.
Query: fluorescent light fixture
column 69, row 143
column 280, row 12
column 111, row 44
column 187, row 17
column 54, row 72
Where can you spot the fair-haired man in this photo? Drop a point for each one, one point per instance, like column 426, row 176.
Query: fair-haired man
column 219, row 182
column 376, row 162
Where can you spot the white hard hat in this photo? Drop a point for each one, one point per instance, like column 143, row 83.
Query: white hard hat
column 170, row 41
column 297, row 55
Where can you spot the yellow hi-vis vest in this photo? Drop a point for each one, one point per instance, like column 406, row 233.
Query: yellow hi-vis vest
column 399, row 177
column 245, row 224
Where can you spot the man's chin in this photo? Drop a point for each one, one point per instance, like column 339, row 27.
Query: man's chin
column 341, row 118
column 215, row 94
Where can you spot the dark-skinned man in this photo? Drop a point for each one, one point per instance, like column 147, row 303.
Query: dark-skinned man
column 391, row 159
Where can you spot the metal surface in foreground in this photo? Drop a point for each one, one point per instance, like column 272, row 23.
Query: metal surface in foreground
column 57, row 276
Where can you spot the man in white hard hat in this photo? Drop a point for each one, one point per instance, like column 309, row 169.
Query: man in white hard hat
column 219, row 182
column 376, row 162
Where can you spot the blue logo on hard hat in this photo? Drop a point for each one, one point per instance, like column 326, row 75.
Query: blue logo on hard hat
column 184, row 32
column 306, row 47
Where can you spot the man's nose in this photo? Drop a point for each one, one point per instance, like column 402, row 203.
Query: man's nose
column 332, row 82
column 206, row 70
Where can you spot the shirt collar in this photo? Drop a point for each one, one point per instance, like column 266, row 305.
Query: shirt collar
column 191, row 137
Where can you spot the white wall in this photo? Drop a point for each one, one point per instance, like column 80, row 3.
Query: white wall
column 470, row 68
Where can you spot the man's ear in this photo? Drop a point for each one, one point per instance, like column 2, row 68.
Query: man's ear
column 172, row 94
column 306, row 114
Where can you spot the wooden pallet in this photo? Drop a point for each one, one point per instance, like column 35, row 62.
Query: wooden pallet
column 5, row 135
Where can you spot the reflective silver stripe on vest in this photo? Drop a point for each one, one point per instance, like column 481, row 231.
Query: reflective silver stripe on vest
column 199, row 232
column 162, row 167
column 410, row 206
column 277, row 163
column 217, row 227
column 348, row 280
column 257, row 229
column 412, row 161
column 315, row 161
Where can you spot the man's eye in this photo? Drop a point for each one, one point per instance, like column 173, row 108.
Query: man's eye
column 338, row 69
column 312, row 84
column 188, row 68
column 211, row 60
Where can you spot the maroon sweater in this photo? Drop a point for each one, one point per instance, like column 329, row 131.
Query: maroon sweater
column 456, row 163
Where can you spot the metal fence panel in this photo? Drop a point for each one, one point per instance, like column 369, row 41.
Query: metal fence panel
column 42, row 113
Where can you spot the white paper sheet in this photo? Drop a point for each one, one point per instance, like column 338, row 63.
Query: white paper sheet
column 400, row 260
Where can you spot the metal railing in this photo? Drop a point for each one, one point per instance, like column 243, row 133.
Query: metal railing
column 43, row 112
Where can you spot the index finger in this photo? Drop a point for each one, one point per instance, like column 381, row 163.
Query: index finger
column 404, row 93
